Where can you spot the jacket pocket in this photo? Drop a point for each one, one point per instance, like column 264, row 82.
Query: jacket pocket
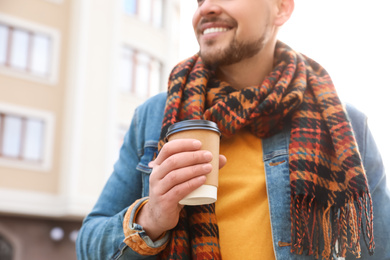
column 147, row 154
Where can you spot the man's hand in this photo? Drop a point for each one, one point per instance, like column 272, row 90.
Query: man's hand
column 180, row 168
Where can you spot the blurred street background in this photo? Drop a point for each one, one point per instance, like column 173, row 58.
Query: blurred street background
column 73, row 71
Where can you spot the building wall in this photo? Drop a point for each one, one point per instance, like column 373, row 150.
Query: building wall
column 28, row 93
column 86, row 110
column 84, row 104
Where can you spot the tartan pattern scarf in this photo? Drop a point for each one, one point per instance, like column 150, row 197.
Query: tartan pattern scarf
column 331, row 207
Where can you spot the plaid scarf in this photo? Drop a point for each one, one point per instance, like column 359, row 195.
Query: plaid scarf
column 331, row 207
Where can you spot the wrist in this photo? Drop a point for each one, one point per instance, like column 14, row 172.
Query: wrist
column 136, row 237
column 144, row 219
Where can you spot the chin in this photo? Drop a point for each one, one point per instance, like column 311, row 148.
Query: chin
column 210, row 61
column 211, row 56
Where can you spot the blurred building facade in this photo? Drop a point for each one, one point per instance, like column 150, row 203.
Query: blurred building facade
column 71, row 74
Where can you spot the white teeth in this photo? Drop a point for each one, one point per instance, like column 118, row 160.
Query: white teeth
column 214, row 29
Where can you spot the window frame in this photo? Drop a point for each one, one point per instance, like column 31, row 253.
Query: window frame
column 150, row 21
column 132, row 89
column 48, row 119
column 35, row 29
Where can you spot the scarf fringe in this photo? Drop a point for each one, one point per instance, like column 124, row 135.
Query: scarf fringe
column 323, row 231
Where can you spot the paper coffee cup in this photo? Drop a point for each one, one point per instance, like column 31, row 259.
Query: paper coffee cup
column 208, row 133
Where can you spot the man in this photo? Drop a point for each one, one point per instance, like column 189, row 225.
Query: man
column 295, row 182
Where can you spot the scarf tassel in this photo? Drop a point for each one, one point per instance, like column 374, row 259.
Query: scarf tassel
column 324, row 231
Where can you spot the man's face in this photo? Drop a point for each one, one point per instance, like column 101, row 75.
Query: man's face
column 229, row 31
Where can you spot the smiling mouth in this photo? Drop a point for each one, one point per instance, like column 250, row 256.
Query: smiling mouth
column 214, row 30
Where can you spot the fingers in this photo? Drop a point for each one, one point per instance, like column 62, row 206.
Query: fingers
column 180, row 168
column 189, row 174
column 182, row 160
column 177, row 146
column 179, row 154
column 222, row 161
column 179, row 191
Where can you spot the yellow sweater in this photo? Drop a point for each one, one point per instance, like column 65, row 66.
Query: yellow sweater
column 242, row 205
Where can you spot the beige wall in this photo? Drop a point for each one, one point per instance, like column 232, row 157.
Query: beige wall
column 30, row 94
column 85, row 109
column 84, row 101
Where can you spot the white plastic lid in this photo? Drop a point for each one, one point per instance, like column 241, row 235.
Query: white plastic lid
column 205, row 194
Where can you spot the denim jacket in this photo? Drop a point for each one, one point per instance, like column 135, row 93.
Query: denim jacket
column 101, row 236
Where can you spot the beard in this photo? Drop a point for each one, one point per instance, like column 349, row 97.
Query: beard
column 235, row 52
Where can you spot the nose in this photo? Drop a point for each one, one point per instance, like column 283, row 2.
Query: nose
column 209, row 8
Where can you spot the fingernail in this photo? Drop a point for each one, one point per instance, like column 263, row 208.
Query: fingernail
column 207, row 167
column 197, row 144
column 202, row 178
column 208, row 155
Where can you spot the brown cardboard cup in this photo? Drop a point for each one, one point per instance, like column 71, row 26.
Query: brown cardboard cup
column 208, row 133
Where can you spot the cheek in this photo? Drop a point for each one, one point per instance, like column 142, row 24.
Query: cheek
column 195, row 20
column 255, row 26
column 247, row 28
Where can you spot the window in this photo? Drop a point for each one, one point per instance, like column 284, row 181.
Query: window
column 3, row 43
column 150, row 11
column 141, row 73
column 157, row 13
column 25, row 50
column 25, row 136
column 145, row 10
column 130, row 6
column 28, row 50
column 21, row 138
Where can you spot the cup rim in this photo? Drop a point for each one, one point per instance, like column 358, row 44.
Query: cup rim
column 192, row 124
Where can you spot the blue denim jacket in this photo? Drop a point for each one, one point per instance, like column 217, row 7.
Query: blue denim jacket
column 101, row 236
